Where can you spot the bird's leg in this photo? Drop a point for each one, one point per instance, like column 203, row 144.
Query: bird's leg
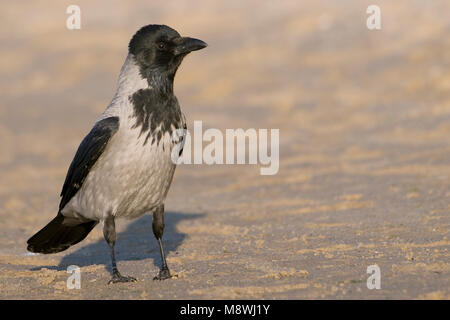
column 158, row 229
column 109, row 232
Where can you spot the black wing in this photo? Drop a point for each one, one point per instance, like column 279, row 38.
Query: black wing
column 88, row 153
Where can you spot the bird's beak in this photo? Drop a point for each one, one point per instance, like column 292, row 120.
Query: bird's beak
column 184, row 45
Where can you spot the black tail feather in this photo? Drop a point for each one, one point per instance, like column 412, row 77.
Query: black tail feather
column 57, row 236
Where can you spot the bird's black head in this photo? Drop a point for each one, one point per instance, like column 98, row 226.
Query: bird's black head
column 159, row 50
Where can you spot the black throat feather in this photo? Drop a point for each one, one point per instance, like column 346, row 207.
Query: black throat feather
column 156, row 108
column 156, row 113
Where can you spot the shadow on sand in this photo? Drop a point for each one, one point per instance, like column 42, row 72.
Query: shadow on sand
column 137, row 242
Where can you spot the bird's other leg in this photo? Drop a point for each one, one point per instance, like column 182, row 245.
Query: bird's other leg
column 158, row 229
column 109, row 232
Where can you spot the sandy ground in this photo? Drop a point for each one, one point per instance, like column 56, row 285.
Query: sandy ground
column 364, row 119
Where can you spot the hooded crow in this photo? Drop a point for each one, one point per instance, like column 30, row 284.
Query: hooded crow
column 123, row 167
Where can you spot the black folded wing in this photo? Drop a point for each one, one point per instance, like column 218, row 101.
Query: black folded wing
column 90, row 149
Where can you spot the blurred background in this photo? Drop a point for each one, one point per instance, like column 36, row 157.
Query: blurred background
column 364, row 119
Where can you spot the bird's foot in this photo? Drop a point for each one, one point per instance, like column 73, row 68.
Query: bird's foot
column 117, row 277
column 163, row 274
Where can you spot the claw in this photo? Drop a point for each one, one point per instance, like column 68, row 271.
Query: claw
column 117, row 277
column 163, row 274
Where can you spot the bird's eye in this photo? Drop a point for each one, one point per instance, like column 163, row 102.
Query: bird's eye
column 161, row 45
